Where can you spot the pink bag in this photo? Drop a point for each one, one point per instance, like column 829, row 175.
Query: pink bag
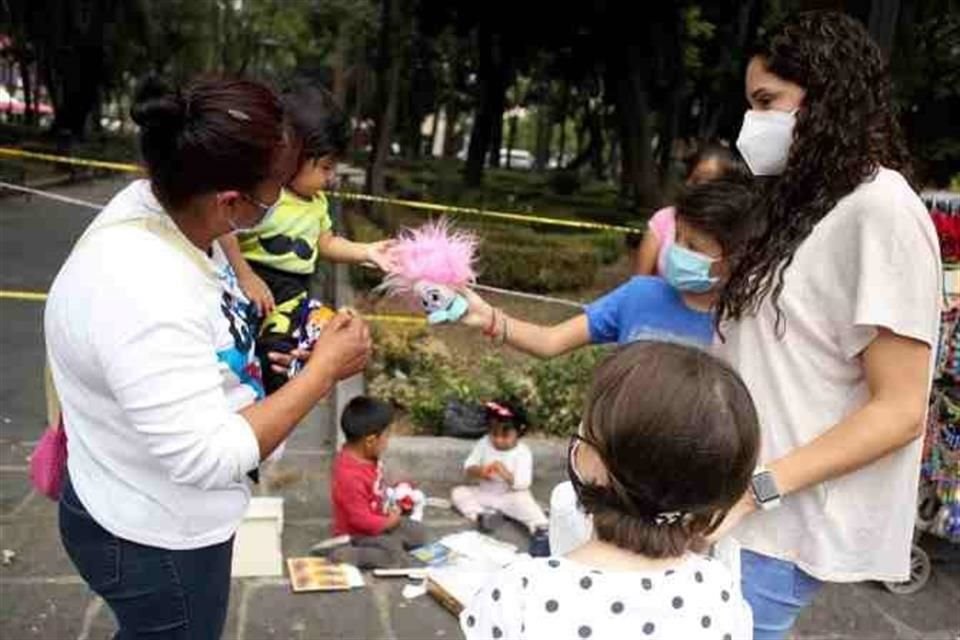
column 49, row 461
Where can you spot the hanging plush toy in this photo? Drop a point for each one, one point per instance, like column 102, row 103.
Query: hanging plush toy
column 408, row 499
column 311, row 317
column 430, row 264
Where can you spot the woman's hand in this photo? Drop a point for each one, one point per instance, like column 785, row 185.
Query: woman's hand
column 257, row 292
column 479, row 312
column 343, row 347
column 378, row 253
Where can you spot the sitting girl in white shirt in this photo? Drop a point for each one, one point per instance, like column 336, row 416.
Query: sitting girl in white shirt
column 503, row 467
column 668, row 443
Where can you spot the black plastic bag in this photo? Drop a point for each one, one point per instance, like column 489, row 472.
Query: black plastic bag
column 464, row 420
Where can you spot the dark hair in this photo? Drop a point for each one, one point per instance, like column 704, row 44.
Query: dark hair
column 364, row 416
column 725, row 208
column 846, row 129
column 677, row 431
column 518, row 415
column 317, row 120
column 213, row 135
column 728, row 160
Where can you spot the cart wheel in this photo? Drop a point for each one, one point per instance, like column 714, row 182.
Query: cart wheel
column 920, row 569
column 927, row 506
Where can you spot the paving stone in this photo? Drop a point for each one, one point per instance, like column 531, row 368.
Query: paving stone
column 304, row 481
column 14, row 452
column 47, row 612
column 39, row 552
column 14, row 488
column 272, row 611
column 418, row 619
column 314, row 432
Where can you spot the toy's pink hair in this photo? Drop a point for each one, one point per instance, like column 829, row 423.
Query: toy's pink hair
column 434, row 252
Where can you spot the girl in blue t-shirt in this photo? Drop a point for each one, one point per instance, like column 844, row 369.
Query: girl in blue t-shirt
column 713, row 224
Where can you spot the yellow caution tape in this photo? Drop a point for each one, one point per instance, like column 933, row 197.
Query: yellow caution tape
column 82, row 162
column 501, row 215
column 362, row 197
column 32, row 296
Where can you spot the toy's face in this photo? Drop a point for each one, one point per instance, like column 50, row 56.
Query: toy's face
column 434, row 297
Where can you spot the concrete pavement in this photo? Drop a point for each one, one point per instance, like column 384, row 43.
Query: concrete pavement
column 42, row 597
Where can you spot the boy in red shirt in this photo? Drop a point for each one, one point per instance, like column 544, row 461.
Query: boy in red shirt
column 368, row 534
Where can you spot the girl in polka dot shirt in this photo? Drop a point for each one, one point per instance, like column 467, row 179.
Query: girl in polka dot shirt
column 668, row 444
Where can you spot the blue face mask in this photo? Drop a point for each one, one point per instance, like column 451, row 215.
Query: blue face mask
column 688, row 270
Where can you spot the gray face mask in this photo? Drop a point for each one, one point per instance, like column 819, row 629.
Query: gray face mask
column 765, row 139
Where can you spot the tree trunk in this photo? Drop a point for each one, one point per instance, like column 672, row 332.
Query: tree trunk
column 496, row 136
column 450, row 148
column 883, row 23
column 388, row 80
column 31, row 100
column 499, row 102
column 638, row 176
column 435, row 130
column 562, row 119
column 480, row 137
column 511, row 138
column 340, row 67
column 592, row 128
column 596, row 141
column 542, row 155
column 670, row 123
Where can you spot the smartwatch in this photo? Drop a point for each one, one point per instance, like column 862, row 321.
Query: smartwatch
column 764, row 489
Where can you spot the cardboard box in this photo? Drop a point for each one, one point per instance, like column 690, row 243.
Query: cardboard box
column 257, row 549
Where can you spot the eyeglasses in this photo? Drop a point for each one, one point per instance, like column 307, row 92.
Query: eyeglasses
column 264, row 208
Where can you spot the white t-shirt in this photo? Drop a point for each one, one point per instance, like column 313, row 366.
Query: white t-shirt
column 560, row 599
column 518, row 461
column 152, row 357
column 873, row 261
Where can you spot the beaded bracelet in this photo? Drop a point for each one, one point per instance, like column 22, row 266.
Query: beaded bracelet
column 502, row 338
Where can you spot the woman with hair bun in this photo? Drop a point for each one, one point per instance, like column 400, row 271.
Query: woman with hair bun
column 830, row 317
column 151, row 350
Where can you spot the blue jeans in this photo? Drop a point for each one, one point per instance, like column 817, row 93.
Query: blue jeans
column 154, row 593
column 777, row 591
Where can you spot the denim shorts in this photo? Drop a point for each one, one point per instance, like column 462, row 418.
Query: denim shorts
column 153, row 593
column 777, row 591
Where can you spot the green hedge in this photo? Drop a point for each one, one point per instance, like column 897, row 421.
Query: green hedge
column 538, row 268
column 515, row 256
column 414, row 371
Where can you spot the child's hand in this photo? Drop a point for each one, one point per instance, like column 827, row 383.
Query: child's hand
column 394, row 516
column 257, row 292
column 379, row 254
column 743, row 508
column 492, row 470
column 500, row 470
column 280, row 362
column 479, row 312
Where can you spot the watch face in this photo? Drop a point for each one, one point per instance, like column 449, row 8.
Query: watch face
column 764, row 488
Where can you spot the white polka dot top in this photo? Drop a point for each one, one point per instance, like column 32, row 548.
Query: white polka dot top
column 559, row 599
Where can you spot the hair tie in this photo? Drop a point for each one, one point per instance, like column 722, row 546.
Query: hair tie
column 236, row 114
column 668, row 518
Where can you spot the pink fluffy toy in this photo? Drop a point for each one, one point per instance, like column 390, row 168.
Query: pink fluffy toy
column 430, row 264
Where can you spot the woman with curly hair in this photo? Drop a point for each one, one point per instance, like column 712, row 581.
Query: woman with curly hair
column 830, row 317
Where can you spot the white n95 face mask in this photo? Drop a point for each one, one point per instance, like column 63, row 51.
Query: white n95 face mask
column 765, row 139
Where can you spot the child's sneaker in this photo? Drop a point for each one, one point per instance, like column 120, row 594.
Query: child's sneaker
column 540, row 543
column 325, row 547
